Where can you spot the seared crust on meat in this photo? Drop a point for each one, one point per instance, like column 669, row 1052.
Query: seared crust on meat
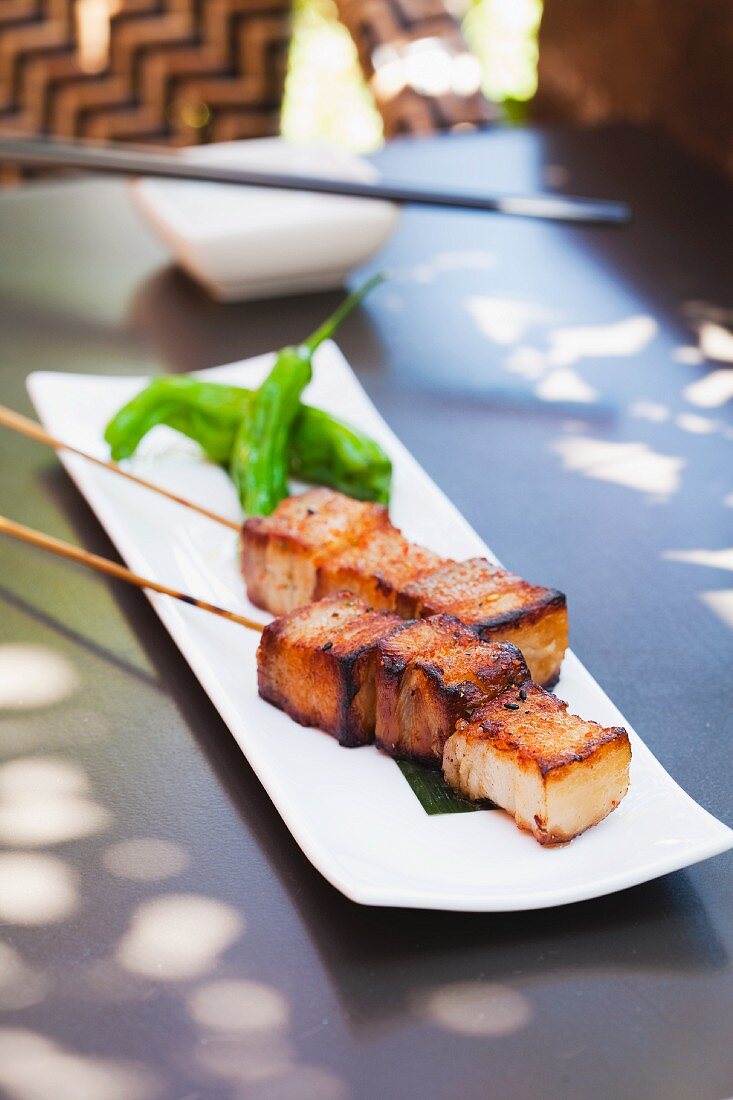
column 376, row 568
column 317, row 663
column 281, row 552
column 499, row 606
column 433, row 687
column 541, row 729
column 323, row 542
column 557, row 774
column 432, row 673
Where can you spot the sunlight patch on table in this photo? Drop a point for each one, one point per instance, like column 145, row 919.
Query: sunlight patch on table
column 649, row 410
column 33, row 1067
column 36, row 822
column 620, row 339
column 565, row 385
column 525, row 361
column 145, row 859
column 714, row 559
column 712, row 391
column 696, row 425
column 692, row 356
column 30, row 776
column 34, row 676
column 720, row 603
column 481, row 1009
column 36, row 889
column 239, row 1006
column 506, row 320
column 716, row 342
column 42, row 801
column 178, row 936
column 712, row 323
column 633, row 465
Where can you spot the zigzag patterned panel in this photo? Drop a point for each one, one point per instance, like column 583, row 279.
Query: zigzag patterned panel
column 173, row 71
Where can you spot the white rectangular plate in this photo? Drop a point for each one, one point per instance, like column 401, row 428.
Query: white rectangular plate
column 350, row 810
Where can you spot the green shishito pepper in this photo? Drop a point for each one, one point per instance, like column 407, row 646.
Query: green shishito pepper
column 259, row 460
column 320, row 449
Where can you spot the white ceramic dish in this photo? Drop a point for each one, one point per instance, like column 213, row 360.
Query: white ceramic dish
column 351, row 811
column 250, row 242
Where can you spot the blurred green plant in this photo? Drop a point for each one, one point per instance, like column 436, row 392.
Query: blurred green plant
column 327, row 99
column 326, row 96
column 503, row 35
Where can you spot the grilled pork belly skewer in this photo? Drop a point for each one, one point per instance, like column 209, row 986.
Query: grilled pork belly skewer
column 25, row 426
column 322, row 542
column 432, row 691
column 366, row 675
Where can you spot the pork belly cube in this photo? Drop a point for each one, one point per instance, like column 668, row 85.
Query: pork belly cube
column 500, row 607
column 281, row 552
column 318, row 663
column 432, row 673
column 555, row 773
column 377, row 568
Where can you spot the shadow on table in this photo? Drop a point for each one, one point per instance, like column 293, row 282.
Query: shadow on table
column 189, row 331
column 50, row 622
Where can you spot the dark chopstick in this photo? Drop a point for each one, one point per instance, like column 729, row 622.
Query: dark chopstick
column 124, row 160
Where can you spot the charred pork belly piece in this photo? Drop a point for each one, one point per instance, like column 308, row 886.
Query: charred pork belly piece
column 499, row 606
column 318, row 664
column 377, row 568
column 281, row 552
column 432, row 673
column 322, row 542
column 555, row 773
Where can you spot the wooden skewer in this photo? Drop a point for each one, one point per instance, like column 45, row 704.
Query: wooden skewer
column 30, row 428
column 112, row 569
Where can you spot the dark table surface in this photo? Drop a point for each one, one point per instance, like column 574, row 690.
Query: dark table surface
column 165, row 937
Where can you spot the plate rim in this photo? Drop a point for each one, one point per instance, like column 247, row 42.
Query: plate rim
column 328, row 864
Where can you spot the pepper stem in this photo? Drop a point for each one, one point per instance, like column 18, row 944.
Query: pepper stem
column 328, row 328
